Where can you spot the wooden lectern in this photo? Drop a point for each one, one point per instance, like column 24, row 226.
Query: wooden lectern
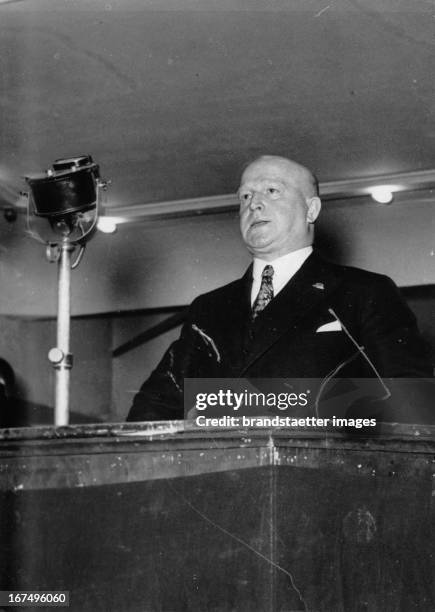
column 163, row 517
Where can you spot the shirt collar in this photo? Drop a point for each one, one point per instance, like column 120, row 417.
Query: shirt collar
column 286, row 265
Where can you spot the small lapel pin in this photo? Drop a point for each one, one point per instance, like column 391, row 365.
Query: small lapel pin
column 320, row 286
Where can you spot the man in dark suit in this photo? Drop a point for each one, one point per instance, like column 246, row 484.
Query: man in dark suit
column 292, row 314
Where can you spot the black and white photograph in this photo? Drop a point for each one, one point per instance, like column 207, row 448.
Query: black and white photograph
column 217, row 316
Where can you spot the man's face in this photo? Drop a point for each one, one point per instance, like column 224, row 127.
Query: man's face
column 274, row 208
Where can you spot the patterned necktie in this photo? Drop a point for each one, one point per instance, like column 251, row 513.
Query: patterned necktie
column 265, row 294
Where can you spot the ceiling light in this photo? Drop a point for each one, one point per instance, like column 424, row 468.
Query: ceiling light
column 382, row 194
column 107, row 225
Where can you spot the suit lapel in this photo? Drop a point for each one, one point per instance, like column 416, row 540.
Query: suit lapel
column 232, row 311
column 240, row 306
column 306, row 291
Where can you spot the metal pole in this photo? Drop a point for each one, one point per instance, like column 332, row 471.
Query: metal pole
column 61, row 356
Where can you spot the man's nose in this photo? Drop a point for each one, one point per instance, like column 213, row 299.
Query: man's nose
column 256, row 201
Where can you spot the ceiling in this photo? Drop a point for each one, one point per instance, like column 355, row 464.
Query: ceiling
column 172, row 97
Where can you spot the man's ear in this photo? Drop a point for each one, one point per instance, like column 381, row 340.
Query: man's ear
column 314, row 205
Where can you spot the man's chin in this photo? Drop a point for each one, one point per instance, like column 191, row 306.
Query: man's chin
column 258, row 240
column 259, row 249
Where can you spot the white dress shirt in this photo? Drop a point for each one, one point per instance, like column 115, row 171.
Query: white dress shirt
column 283, row 269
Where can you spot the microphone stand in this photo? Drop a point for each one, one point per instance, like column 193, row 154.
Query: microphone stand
column 68, row 196
column 60, row 357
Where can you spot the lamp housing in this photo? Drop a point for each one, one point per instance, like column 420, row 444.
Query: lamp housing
column 70, row 186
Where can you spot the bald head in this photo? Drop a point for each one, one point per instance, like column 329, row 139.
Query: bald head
column 279, row 203
column 306, row 179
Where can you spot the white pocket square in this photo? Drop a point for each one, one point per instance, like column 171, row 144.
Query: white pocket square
column 331, row 326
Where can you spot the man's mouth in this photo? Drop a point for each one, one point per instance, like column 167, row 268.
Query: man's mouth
column 258, row 223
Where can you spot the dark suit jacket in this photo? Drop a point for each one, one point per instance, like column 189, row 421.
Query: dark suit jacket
column 218, row 340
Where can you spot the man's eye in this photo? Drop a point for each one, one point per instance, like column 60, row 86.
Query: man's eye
column 272, row 190
column 245, row 197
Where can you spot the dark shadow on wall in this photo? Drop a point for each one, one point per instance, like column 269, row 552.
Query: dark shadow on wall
column 17, row 411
